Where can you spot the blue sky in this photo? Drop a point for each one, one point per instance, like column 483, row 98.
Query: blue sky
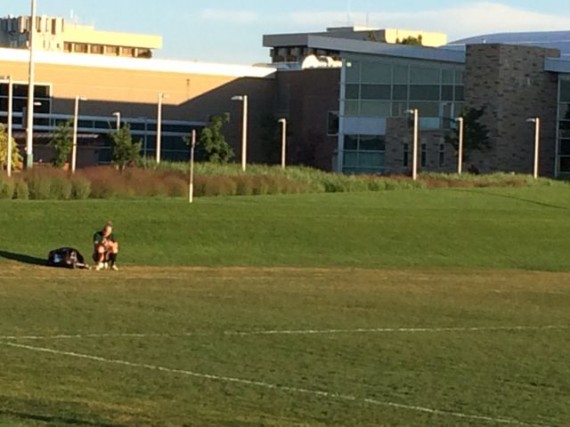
column 231, row 31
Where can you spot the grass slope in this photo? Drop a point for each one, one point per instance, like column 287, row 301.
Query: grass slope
column 491, row 228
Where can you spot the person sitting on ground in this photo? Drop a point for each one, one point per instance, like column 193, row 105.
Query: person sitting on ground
column 106, row 248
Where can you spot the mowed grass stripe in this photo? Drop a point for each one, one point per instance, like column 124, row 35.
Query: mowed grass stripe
column 282, row 388
column 518, row 375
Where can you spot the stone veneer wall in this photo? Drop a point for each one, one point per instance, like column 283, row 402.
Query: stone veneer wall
column 510, row 81
column 399, row 131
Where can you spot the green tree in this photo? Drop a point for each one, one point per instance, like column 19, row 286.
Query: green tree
column 16, row 158
column 212, row 144
column 125, row 151
column 411, row 41
column 476, row 134
column 62, row 142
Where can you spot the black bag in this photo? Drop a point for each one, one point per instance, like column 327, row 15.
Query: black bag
column 66, row 258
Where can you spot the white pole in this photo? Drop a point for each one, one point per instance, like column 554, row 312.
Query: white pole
column 10, row 111
column 415, row 149
column 536, row 148
column 31, row 82
column 461, row 122
column 244, row 134
column 192, row 148
column 283, row 143
column 159, row 128
column 118, row 116
column 74, row 146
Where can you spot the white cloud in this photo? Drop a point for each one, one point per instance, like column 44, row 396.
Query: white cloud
column 240, row 17
column 461, row 21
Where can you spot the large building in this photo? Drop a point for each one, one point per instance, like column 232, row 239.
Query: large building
column 58, row 35
column 346, row 94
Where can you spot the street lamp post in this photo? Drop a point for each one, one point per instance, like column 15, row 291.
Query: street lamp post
column 415, row 113
column 244, row 100
column 192, row 149
column 161, row 97
column 75, row 125
column 10, row 127
column 536, row 122
column 31, row 82
column 461, row 143
column 117, row 114
column 283, row 142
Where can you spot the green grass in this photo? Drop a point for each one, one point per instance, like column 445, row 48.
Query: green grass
column 498, row 228
column 470, row 258
column 517, row 375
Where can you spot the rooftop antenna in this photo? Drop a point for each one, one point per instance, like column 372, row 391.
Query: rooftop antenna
column 349, row 12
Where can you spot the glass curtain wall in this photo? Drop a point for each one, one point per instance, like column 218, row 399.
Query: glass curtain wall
column 386, row 87
column 563, row 155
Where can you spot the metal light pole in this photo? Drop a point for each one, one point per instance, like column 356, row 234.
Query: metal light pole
column 192, row 149
column 75, row 125
column 415, row 112
column 283, row 143
column 31, row 82
column 161, row 97
column 536, row 122
column 10, row 113
column 117, row 114
column 244, row 100
column 461, row 123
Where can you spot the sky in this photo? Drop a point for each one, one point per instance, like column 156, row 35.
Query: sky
column 230, row 31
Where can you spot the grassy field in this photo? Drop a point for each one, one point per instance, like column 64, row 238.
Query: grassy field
column 413, row 308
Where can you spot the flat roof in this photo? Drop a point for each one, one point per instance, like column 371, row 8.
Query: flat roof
column 549, row 39
column 137, row 64
column 557, row 65
column 386, row 49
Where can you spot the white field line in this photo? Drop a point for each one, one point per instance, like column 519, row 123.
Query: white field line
column 262, row 384
column 290, row 332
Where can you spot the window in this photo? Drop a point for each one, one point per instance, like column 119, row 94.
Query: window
column 67, row 47
column 400, row 93
column 406, row 162
column 565, row 164
column 375, row 108
column 332, row 123
column 372, row 143
column 80, row 48
column 353, row 72
column 97, row 49
column 374, row 72
column 424, row 76
column 376, row 92
column 352, row 92
column 424, row 93
column 441, row 155
column 565, row 147
column 351, row 142
column 424, row 155
column 128, row 51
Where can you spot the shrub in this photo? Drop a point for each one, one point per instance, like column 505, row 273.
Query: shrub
column 21, row 190
column 244, row 186
column 80, row 188
column 6, row 188
column 39, row 185
column 60, row 188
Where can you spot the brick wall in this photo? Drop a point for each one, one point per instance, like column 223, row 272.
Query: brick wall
column 510, row 82
column 399, row 132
